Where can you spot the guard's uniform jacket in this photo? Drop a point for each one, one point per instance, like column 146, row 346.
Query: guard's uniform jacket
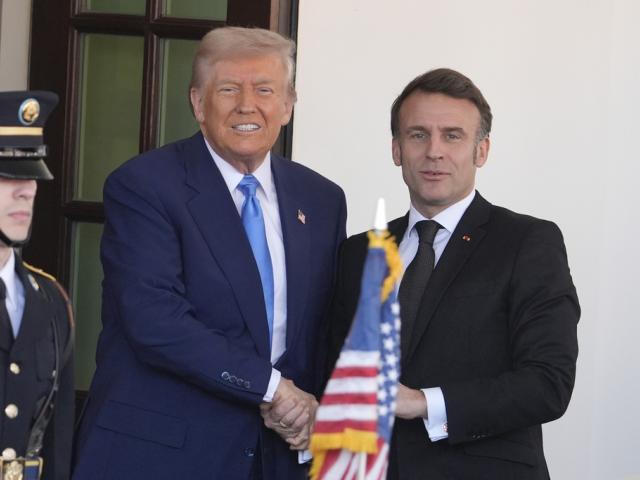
column 27, row 374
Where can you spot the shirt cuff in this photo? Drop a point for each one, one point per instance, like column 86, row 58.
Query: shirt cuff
column 274, row 381
column 304, row 456
column 436, row 421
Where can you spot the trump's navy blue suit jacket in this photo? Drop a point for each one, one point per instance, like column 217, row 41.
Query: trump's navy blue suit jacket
column 183, row 357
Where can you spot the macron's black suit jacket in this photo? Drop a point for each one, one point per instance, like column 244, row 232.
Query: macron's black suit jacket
column 496, row 330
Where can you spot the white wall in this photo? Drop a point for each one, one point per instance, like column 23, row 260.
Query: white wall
column 562, row 77
column 15, row 20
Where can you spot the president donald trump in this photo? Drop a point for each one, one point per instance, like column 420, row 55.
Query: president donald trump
column 218, row 262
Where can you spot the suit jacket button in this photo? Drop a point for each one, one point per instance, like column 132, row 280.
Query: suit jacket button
column 225, row 375
column 249, row 452
column 14, row 368
column 247, row 384
column 8, row 454
column 233, row 379
column 240, row 381
column 11, row 411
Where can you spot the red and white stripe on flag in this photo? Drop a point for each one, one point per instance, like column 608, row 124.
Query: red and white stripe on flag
column 350, row 400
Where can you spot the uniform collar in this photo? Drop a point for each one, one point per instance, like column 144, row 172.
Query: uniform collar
column 8, row 275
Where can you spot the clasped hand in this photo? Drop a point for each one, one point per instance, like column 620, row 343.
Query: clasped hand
column 291, row 414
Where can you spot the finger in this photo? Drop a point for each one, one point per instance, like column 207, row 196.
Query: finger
column 265, row 408
column 299, row 442
column 301, row 421
column 291, row 417
column 280, row 409
column 269, row 423
column 284, row 433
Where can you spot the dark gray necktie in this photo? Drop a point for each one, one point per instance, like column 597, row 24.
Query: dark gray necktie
column 415, row 279
column 6, row 332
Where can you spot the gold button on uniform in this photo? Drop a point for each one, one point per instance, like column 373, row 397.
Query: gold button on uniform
column 8, row 454
column 11, row 411
column 14, row 368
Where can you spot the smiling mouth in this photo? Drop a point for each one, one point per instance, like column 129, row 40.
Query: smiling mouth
column 246, row 127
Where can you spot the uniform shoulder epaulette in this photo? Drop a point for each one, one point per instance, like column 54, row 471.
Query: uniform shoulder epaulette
column 60, row 288
column 39, row 271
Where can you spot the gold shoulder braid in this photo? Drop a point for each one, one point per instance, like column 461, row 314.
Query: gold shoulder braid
column 39, row 271
column 60, row 288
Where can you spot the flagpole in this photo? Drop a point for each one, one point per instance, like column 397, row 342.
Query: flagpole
column 380, row 220
column 379, row 227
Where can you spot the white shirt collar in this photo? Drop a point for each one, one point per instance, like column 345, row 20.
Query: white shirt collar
column 448, row 218
column 8, row 274
column 232, row 176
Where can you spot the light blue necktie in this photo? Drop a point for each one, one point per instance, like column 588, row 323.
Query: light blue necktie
column 253, row 222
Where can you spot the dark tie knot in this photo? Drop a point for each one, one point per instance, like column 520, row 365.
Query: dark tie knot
column 248, row 185
column 3, row 290
column 427, row 230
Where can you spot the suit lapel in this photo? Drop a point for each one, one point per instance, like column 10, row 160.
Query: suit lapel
column 215, row 214
column 464, row 240
column 36, row 316
column 297, row 243
column 398, row 227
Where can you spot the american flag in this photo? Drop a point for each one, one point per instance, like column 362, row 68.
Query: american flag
column 355, row 418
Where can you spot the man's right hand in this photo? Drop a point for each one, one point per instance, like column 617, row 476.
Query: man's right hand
column 291, row 414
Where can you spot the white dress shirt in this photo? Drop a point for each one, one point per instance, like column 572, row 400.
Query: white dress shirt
column 436, row 421
column 15, row 293
column 268, row 198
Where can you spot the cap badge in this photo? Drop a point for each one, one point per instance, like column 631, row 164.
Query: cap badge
column 29, row 111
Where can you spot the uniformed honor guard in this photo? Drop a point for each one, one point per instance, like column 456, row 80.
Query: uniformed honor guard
column 36, row 325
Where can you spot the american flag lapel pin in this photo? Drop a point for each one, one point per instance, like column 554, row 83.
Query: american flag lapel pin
column 466, row 238
column 301, row 217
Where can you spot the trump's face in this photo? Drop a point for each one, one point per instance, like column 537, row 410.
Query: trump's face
column 438, row 149
column 242, row 107
column 16, row 207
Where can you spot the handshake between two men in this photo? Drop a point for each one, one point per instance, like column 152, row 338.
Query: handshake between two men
column 291, row 414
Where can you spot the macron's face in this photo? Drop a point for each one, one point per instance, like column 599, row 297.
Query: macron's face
column 437, row 148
